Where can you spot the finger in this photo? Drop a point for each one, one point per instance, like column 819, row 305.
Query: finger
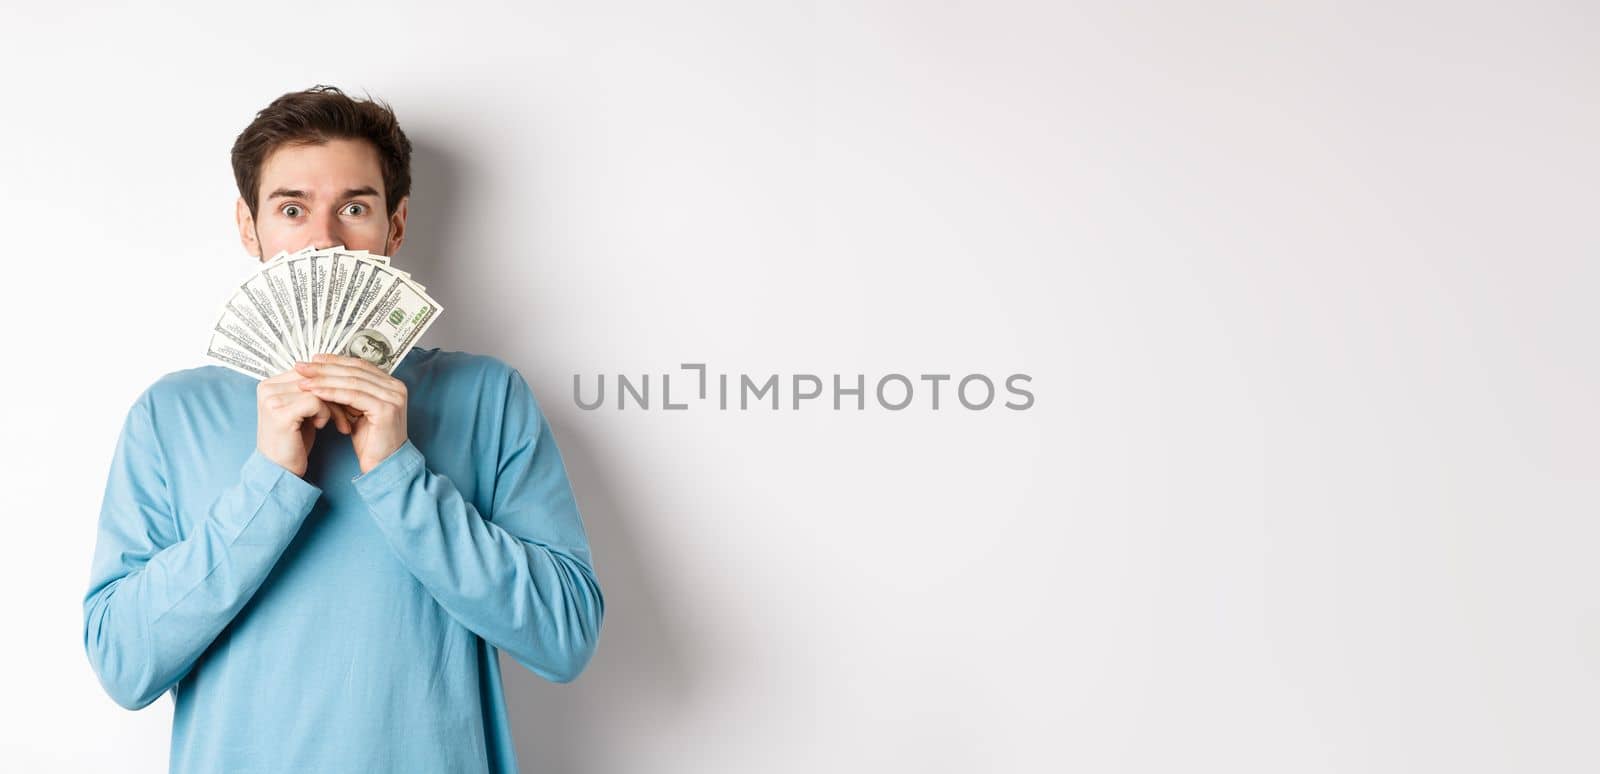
column 358, row 364
column 282, row 382
column 365, row 402
column 369, row 373
column 274, row 385
column 268, row 389
column 328, row 357
column 341, row 419
column 324, row 415
column 286, row 376
column 353, row 383
column 295, row 406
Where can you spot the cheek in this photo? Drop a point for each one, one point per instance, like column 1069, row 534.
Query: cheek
column 367, row 236
column 273, row 236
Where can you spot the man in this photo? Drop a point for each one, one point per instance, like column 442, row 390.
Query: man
column 321, row 566
column 371, row 346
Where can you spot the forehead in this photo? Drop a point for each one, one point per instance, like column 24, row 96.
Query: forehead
column 327, row 167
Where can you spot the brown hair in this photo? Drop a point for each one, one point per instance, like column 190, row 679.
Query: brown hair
column 315, row 116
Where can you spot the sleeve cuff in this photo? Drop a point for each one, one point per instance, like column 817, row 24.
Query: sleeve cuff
column 396, row 468
column 293, row 492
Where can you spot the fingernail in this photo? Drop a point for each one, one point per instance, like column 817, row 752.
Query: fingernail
column 305, row 382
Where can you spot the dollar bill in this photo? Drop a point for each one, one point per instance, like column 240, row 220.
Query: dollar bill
column 297, row 304
column 386, row 332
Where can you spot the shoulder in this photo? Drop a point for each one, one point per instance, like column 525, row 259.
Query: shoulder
column 208, row 390
column 492, row 380
column 456, row 367
column 198, row 383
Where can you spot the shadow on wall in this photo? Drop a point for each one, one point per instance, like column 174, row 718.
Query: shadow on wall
column 640, row 670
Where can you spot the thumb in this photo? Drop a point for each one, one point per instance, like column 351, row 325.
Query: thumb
column 342, row 421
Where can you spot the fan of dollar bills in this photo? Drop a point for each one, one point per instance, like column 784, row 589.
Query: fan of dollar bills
column 347, row 302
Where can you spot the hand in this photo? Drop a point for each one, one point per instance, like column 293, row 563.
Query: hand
column 373, row 400
column 287, row 421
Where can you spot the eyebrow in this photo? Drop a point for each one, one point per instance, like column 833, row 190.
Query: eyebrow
column 295, row 193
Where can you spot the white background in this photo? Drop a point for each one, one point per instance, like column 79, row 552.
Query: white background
column 1306, row 291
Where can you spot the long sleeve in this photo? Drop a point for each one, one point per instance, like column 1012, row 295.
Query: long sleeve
column 519, row 576
column 156, row 602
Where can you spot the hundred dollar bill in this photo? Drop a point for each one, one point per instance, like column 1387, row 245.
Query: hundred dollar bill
column 385, row 334
column 343, row 268
column 225, row 351
column 382, row 278
column 258, row 294
column 276, row 279
column 297, row 304
column 357, row 292
column 318, row 269
column 246, row 332
column 241, row 312
column 379, row 277
column 299, row 287
column 339, row 268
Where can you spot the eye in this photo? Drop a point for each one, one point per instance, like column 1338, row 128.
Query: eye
column 292, row 210
column 355, row 208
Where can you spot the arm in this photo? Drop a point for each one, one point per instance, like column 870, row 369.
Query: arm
column 155, row 603
column 519, row 576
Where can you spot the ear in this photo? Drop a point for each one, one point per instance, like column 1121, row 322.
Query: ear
column 247, row 228
column 397, row 227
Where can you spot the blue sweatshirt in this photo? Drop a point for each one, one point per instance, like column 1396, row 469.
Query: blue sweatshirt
column 340, row 622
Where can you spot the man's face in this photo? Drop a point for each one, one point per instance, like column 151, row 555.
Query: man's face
column 367, row 349
column 321, row 195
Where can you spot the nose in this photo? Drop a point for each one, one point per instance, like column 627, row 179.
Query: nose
column 326, row 233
